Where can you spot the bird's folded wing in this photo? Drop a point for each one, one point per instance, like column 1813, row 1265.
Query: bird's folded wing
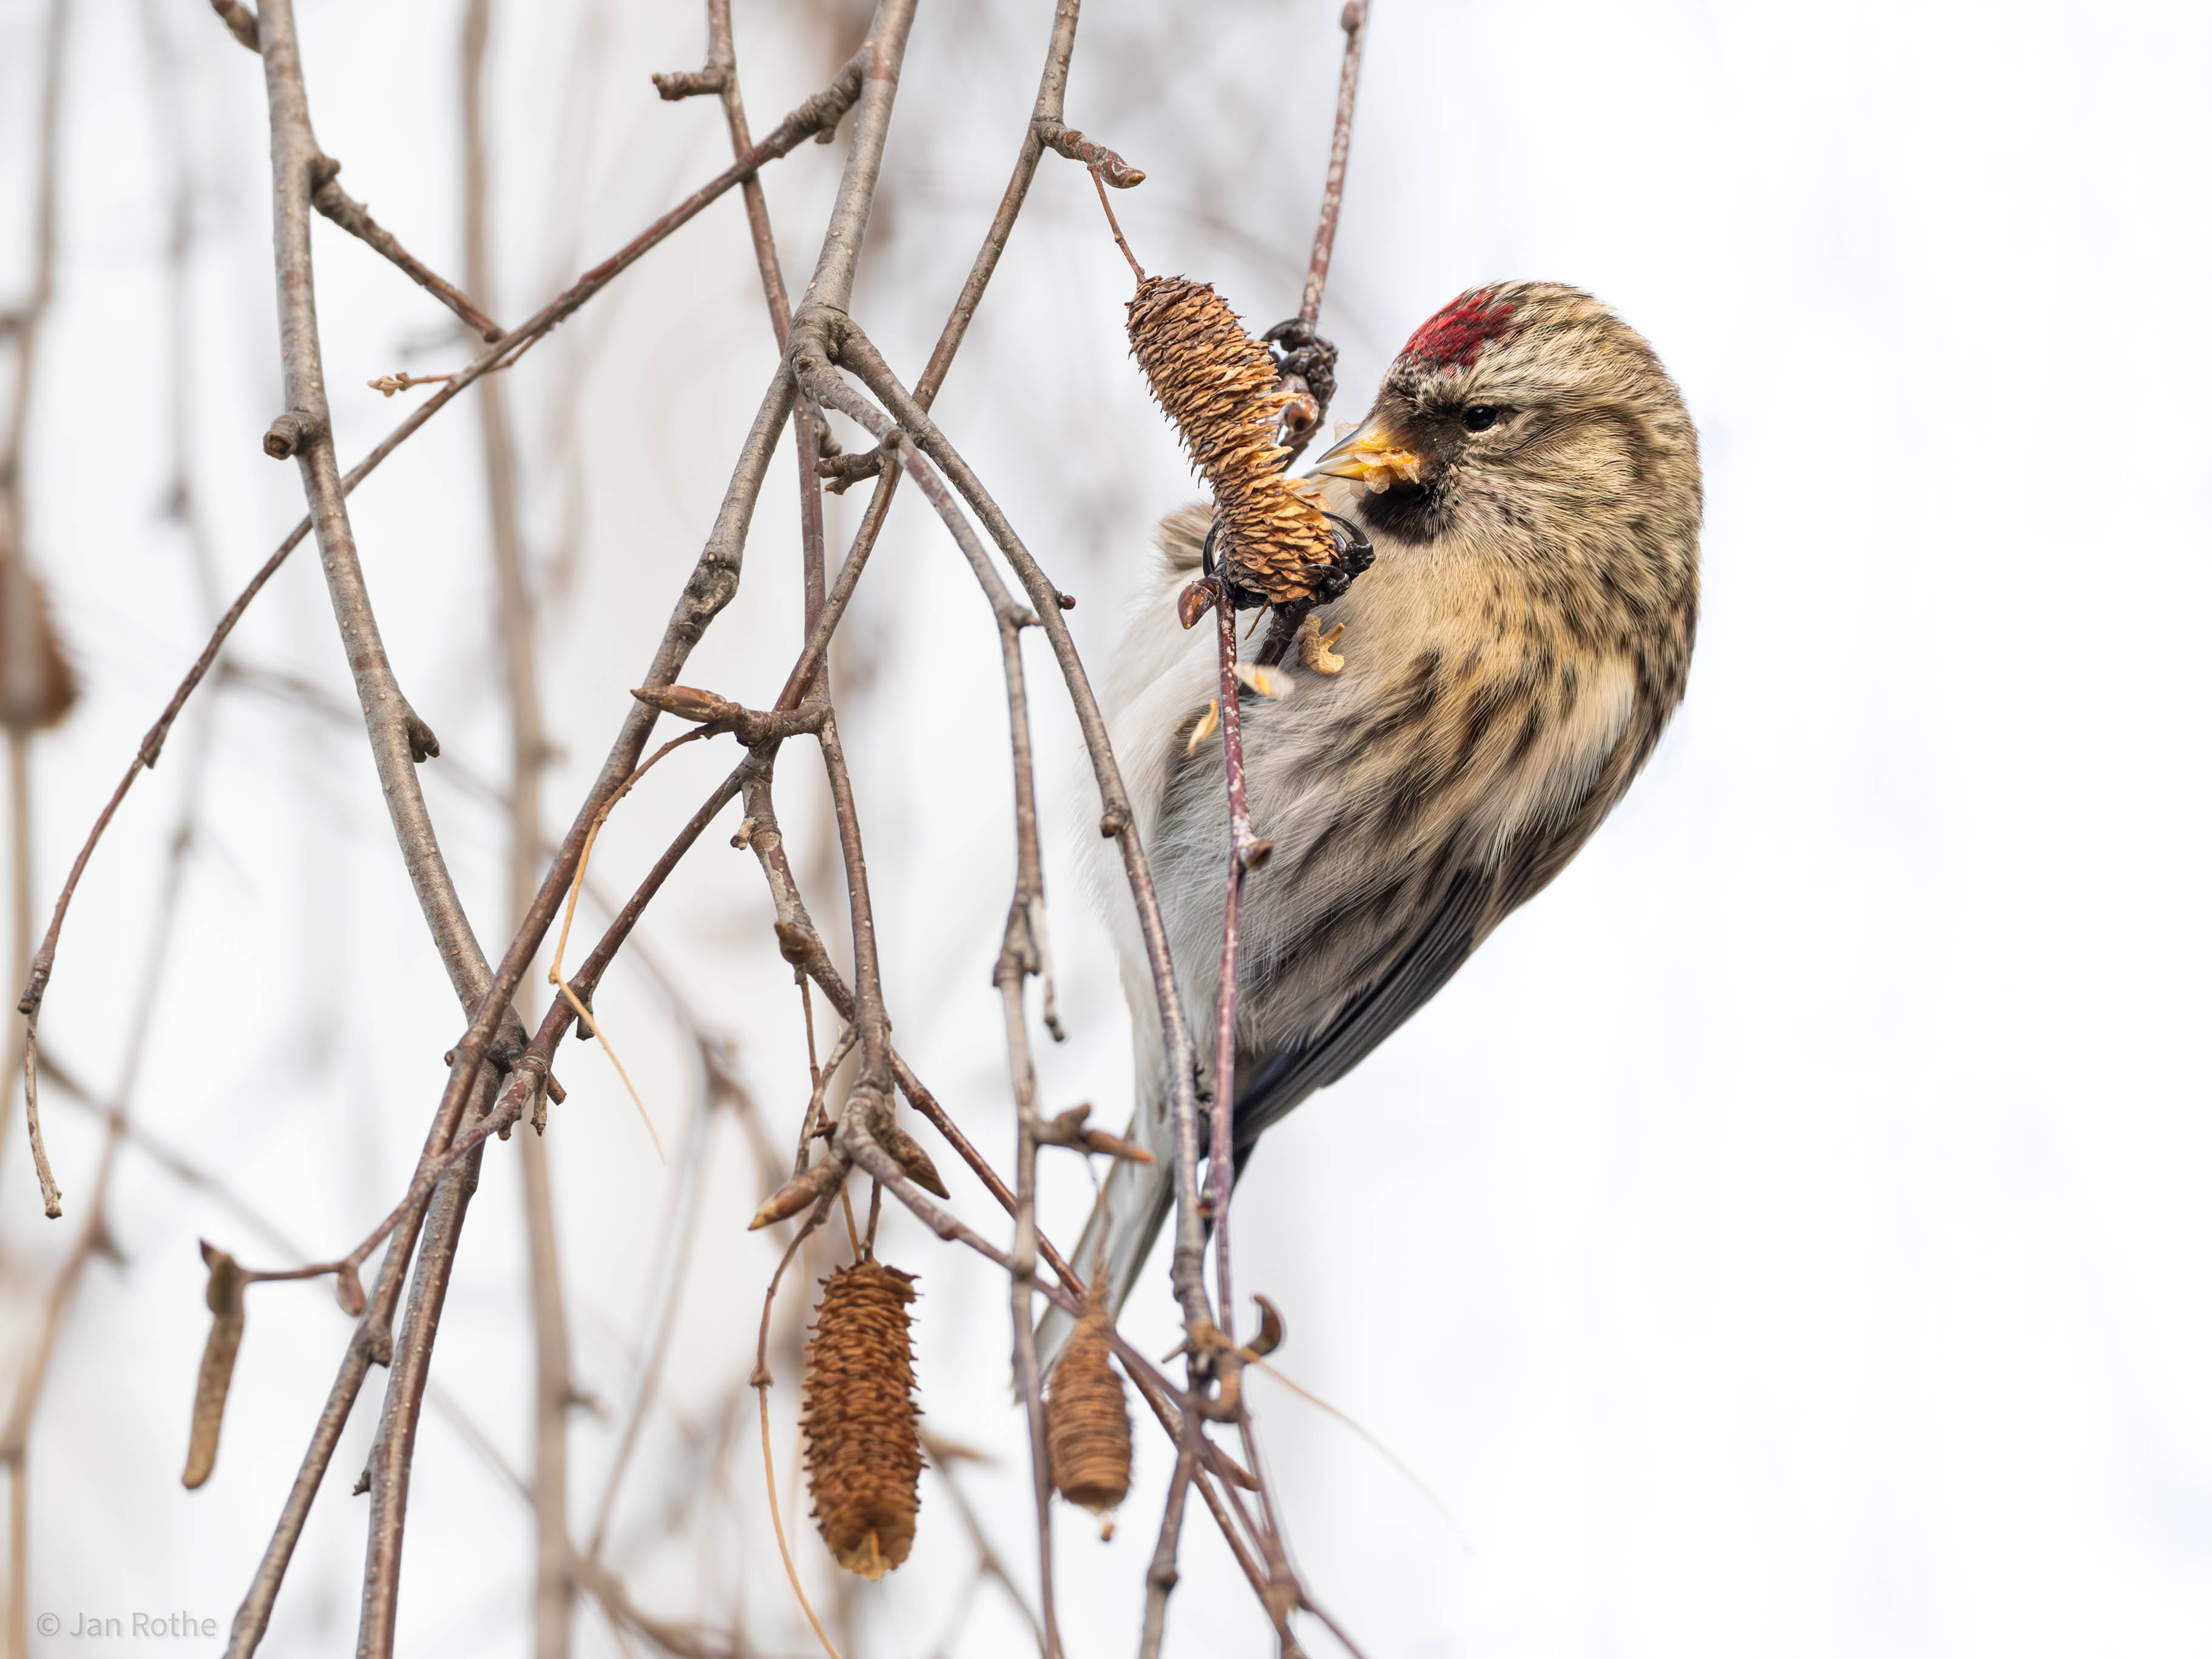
column 1481, row 892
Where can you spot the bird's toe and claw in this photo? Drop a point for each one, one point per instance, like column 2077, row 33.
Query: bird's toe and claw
column 1298, row 350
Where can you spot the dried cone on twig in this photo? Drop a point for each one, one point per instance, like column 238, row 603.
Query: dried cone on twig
column 863, row 1457
column 37, row 685
column 1086, row 1420
column 1217, row 385
column 226, row 1299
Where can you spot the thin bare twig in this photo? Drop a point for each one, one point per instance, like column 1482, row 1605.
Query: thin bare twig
column 671, row 1263
column 239, row 19
column 1119, row 820
column 92, row 1234
column 1245, row 851
column 342, row 210
column 1308, row 404
column 1160, row 1578
column 398, row 737
column 703, row 596
column 1354, row 22
column 712, row 585
column 22, row 648
column 944, row 1454
column 1110, row 166
column 722, row 61
column 478, row 1102
column 553, row 1393
column 832, row 392
column 399, row 740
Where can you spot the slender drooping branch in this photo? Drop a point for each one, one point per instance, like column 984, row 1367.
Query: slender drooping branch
column 1045, row 130
column 1045, row 115
column 868, row 1109
column 712, row 583
column 1354, row 21
column 802, row 946
column 553, row 1392
column 1277, row 1587
column 394, row 1448
column 398, row 737
column 238, row 17
column 25, row 700
column 1302, row 417
column 1160, row 1577
column 1245, row 851
column 1023, row 954
column 714, row 579
column 342, row 210
column 672, row 1267
column 93, row 1231
column 721, row 77
column 816, row 114
column 473, row 1115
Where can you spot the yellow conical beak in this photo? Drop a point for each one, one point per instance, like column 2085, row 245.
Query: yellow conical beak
column 1376, row 456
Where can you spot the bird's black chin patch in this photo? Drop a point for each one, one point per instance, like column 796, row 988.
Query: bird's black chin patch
column 1410, row 513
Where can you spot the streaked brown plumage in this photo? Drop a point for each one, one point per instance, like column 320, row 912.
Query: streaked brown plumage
column 1530, row 479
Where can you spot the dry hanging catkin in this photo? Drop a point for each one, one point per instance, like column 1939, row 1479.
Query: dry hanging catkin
column 37, row 685
column 1217, row 385
column 1087, row 1417
column 863, row 1458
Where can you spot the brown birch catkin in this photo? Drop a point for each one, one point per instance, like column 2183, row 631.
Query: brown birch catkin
column 38, row 687
column 863, row 1457
column 1217, row 385
column 1087, row 1417
column 225, row 1300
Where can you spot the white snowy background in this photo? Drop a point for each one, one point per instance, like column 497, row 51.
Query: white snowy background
column 1786, row 1238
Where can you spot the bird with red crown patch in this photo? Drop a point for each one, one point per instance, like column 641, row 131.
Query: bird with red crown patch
column 1528, row 479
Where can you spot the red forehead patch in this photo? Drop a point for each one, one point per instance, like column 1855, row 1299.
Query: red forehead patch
column 1454, row 337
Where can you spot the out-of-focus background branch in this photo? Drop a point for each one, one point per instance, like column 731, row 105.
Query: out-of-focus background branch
column 1784, row 1236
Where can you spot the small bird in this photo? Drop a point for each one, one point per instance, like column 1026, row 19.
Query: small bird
column 1529, row 479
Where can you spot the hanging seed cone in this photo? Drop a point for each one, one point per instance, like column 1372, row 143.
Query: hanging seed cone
column 1086, row 1419
column 863, row 1459
column 1217, row 385
column 37, row 685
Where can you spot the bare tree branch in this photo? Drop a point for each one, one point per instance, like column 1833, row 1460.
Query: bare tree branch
column 342, row 210
column 554, row 1392
column 398, row 737
column 239, row 19
column 713, row 582
column 1119, row 820
column 1303, row 416
column 1354, row 22
column 24, row 604
column 421, row 1235
column 816, row 114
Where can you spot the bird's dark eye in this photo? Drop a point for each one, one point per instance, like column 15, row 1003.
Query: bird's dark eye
column 1483, row 417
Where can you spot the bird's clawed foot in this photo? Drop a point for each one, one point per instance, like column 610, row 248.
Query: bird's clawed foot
column 1299, row 351
column 1314, row 650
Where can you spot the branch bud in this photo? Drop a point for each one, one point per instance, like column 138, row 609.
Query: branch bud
column 906, row 1152
column 287, row 435
column 686, row 702
column 799, row 1192
column 1197, row 599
